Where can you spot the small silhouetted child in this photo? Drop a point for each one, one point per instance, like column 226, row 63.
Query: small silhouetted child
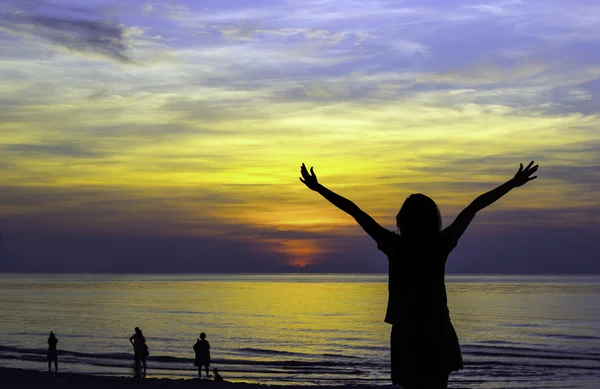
column 52, row 354
column 202, row 350
column 218, row 377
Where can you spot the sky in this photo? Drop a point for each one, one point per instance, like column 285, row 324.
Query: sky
column 167, row 136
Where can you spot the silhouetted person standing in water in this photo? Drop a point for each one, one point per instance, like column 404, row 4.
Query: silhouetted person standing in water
column 140, row 349
column 424, row 345
column 202, row 350
column 52, row 354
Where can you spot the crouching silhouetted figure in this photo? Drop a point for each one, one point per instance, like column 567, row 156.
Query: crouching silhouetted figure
column 218, row 377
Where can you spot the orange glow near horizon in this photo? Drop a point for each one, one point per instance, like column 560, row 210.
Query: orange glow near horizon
column 298, row 253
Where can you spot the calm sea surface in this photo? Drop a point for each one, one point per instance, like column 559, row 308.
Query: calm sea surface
column 515, row 332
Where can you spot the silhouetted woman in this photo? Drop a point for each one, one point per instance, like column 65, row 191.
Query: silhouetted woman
column 140, row 349
column 202, row 350
column 52, row 354
column 424, row 345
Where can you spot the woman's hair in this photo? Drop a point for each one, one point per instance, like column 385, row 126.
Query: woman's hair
column 202, row 335
column 419, row 216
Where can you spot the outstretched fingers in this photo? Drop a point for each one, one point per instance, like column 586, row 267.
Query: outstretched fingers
column 524, row 174
column 303, row 171
column 534, row 169
column 527, row 170
column 308, row 179
column 530, row 170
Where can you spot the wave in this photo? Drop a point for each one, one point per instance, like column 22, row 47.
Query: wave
column 537, row 356
column 569, row 337
column 10, row 352
column 528, row 352
column 509, row 358
column 305, row 359
column 269, row 352
column 40, row 351
column 532, row 365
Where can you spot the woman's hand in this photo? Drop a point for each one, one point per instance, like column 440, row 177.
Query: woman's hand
column 523, row 176
column 309, row 179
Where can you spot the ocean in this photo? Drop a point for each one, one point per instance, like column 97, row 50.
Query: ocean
column 515, row 331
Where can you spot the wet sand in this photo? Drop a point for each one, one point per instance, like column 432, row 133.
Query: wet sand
column 29, row 379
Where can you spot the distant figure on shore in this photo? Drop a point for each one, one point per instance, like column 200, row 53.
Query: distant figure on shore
column 424, row 345
column 140, row 349
column 218, row 377
column 52, row 354
column 202, row 350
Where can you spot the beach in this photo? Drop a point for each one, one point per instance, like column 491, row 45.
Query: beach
column 33, row 379
column 21, row 378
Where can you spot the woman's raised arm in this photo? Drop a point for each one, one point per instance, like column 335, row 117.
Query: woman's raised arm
column 367, row 223
column 462, row 221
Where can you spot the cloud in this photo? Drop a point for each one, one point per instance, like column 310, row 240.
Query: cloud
column 65, row 149
column 72, row 252
column 87, row 36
